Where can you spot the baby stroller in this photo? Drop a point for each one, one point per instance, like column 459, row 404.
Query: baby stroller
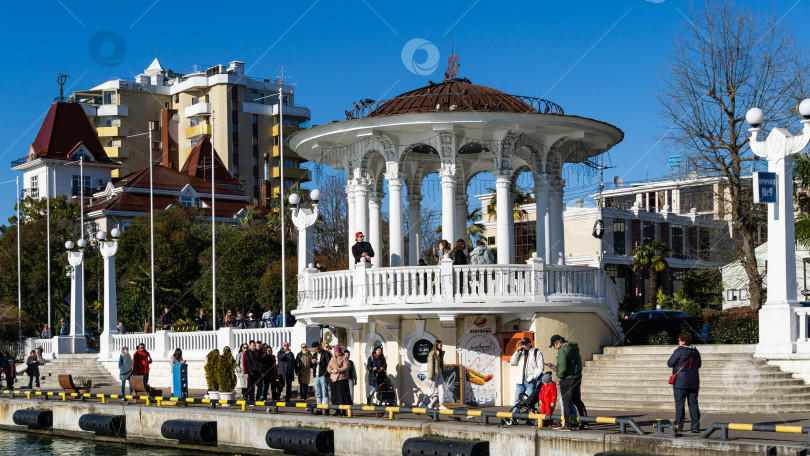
column 525, row 404
column 384, row 394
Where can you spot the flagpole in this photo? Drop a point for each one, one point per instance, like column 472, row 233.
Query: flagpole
column 48, row 255
column 151, row 228
column 281, row 209
column 213, row 232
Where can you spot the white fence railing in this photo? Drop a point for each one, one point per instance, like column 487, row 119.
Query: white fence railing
column 445, row 283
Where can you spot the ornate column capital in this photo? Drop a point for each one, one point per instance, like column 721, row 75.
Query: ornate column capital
column 415, row 199
column 108, row 248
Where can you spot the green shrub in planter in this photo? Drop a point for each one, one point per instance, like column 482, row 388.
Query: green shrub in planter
column 226, row 371
column 660, row 338
column 211, row 371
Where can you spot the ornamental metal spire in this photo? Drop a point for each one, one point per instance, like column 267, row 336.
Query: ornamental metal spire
column 452, row 62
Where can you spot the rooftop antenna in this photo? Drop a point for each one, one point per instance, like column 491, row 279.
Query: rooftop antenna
column 61, row 81
column 452, row 62
column 280, row 79
column 602, row 169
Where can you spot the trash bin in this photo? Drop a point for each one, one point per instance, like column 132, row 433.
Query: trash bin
column 180, row 380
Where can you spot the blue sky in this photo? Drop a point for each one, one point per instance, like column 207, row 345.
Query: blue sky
column 599, row 59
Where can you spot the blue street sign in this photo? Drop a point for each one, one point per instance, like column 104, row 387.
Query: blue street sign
column 765, row 188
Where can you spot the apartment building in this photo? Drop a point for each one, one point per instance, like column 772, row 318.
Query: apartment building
column 237, row 113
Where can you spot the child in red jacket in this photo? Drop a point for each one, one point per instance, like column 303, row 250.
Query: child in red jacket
column 547, row 397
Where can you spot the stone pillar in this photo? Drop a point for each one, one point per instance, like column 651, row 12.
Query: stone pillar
column 414, row 229
column 375, row 228
column 77, row 341
column 461, row 220
column 504, row 238
column 350, row 209
column 448, row 203
column 396, row 230
column 108, row 251
column 557, row 224
column 541, row 200
column 304, row 220
column 361, row 208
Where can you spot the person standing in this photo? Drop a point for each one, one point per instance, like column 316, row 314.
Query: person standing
column 46, row 332
column 286, row 370
column 176, row 358
column 319, row 266
column 320, row 363
column 530, row 368
column 375, row 365
column 569, row 371
column 268, row 319
column 362, row 249
column 269, row 373
column 121, row 328
column 64, row 329
column 32, row 361
column 339, row 373
column 241, row 380
column 9, row 369
column 201, row 321
column 141, row 361
column 685, row 364
column 303, row 369
column 481, row 254
column 125, row 366
column 253, row 370
column 352, row 375
column 166, row 320
column 435, row 372
column 229, row 319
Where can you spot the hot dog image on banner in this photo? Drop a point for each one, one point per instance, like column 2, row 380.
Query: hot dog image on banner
column 481, row 359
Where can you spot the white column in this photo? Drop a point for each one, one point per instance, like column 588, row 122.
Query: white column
column 414, row 229
column 108, row 250
column 375, row 228
column 504, row 238
column 77, row 341
column 541, row 200
column 461, row 219
column 557, row 226
column 396, row 230
column 448, row 203
column 361, row 207
column 304, row 220
column 350, row 209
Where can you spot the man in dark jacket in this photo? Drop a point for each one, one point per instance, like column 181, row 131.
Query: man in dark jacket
column 685, row 362
column 286, row 370
column 569, row 371
column 320, row 363
column 362, row 249
column 253, row 370
column 166, row 320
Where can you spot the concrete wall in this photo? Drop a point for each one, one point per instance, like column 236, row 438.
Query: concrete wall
column 244, row 432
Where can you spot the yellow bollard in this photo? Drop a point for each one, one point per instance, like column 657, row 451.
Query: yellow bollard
column 350, row 413
column 390, row 414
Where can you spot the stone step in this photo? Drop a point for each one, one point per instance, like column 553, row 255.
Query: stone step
column 669, row 407
column 660, row 349
column 761, row 391
column 640, row 357
column 588, row 381
column 661, row 370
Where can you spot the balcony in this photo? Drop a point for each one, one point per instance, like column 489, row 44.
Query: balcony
column 112, row 110
column 292, row 174
column 198, row 130
column 112, row 132
column 199, row 109
column 117, row 151
column 288, row 130
column 272, row 110
column 446, row 290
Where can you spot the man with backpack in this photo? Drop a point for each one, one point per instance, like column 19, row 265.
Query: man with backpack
column 529, row 361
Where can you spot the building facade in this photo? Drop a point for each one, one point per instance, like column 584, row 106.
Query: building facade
column 238, row 113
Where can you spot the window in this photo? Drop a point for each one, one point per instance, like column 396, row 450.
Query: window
column 255, row 119
column 266, row 170
column 491, row 240
column 255, row 140
column 255, row 181
column 704, row 243
column 731, row 295
column 743, row 293
column 194, row 122
column 621, row 202
column 235, row 150
column 166, row 105
column 235, row 127
column 648, row 234
column 234, row 105
column 288, row 184
column 34, row 187
column 678, row 274
column 677, row 241
column 613, row 270
column 525, row 240
column 700, row 197
column 206, row 98
column 236, row 170
column 176, row 98
column 285, row 100
column 91, row 228
column 75, row 187
column 255, row 161
column 619, row 237
column 289, row 164
column 194, row 100
column 126, row 224
column 189, row 202
column 109, row 97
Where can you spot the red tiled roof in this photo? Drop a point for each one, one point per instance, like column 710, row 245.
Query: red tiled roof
column 452, row 94
column 64, row 128
column 198, row 164
column 168, row 179
column 136, row 202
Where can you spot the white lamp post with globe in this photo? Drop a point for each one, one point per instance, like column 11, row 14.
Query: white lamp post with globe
column 76, row 341
column 108, row 250
column 304, row 219
column 778, row 330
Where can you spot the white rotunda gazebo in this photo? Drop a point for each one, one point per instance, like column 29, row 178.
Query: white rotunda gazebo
column 457, row 129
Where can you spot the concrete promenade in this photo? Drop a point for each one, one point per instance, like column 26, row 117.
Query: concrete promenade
column 366, row 433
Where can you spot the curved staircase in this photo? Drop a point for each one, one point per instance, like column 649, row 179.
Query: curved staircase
column 731, row 381
column 79, row 366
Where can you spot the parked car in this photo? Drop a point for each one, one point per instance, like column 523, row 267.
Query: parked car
column 658, row 314
column 92, row 336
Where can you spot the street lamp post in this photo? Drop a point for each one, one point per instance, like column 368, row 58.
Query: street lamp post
column 108, row 250
column 77, row 341
column 304, row 219
column 777, row 318
column 281, row 208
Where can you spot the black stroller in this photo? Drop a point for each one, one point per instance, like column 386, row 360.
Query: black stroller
column 525, row 404
column 384, row 395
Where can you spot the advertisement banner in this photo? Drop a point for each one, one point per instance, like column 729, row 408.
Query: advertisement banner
column 480, row 355
column 479, row 324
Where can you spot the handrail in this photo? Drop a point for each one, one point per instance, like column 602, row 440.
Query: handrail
column 485, row 102
column 434, row 413
column 757, row 427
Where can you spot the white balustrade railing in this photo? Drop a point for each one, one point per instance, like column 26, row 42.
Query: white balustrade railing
column 803, row 315
column 47, row 346
column 445, row 283
column 192, row 342
column 273, row 337
column 132, row 341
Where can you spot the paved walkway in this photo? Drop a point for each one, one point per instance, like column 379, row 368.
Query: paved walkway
column 644, row 418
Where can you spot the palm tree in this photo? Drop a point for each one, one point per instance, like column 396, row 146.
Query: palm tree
column 475, row 229
column 251, row 217
column 520, row 198
column 651, row 258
